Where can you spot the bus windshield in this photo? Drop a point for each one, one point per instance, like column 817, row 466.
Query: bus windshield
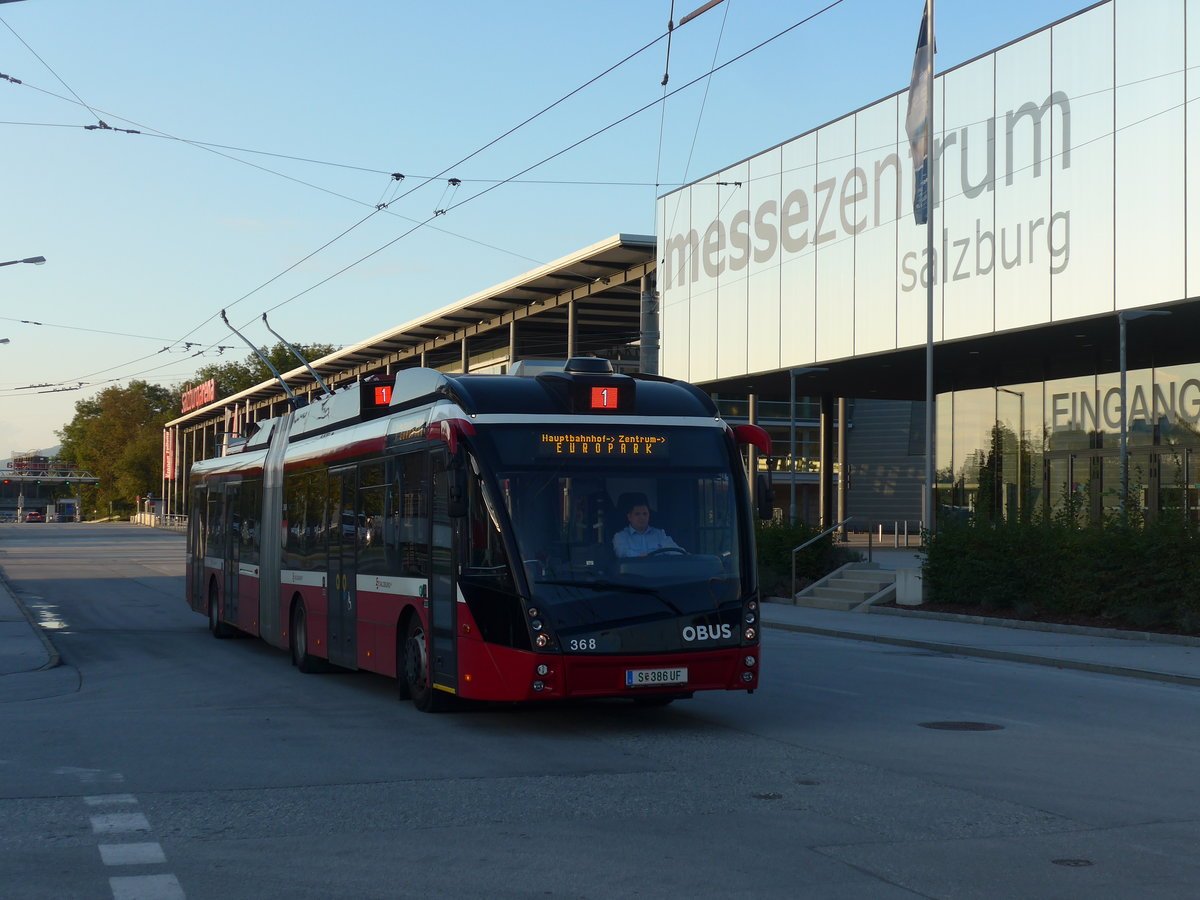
column 647, row 513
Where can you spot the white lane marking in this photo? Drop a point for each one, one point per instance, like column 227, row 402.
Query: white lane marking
column 110, row 799
column 132, row 854
column 89, row 776
column 146, row 887
column 113, row 823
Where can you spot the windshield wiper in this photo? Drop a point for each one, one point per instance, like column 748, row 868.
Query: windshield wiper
column 618, row 586
column 599, row 585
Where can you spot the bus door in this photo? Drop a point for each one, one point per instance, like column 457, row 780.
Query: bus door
column 196, row 532
column 443, row 589
column 231, row 539
column 344, row 527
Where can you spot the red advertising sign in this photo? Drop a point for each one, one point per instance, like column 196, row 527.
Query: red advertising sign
column 200, row 395
column 169, row 455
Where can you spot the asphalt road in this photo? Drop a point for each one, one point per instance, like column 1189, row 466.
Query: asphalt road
column 158, row 762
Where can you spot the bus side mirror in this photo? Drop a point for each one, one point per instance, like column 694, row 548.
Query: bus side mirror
column 456, row 503
column 763, row 495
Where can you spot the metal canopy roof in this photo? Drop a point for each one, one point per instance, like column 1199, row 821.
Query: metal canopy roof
column 601, row 280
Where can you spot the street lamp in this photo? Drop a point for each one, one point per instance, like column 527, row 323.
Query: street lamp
column 1123, row 316
column 792, row 373
column 34, row 260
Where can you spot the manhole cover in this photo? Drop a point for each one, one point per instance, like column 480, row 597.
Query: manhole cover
column 1073, row 863
column 962, row 726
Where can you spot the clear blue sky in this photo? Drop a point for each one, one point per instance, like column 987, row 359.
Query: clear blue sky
column 148, row 236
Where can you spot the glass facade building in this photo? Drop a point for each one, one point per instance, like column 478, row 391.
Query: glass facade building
column 1066, row 190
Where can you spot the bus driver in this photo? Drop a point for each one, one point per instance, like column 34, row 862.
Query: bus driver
column 640, row 538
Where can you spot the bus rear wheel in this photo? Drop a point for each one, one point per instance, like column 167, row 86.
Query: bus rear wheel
column 218, row 628
column 301, row 658
column 416, row 673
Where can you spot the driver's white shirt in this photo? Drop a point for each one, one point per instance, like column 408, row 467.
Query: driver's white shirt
column 629, row 542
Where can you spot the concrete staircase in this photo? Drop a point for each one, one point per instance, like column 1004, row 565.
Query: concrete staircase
column 853, row 586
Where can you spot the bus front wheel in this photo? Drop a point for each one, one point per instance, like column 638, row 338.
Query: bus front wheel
column 416, row 672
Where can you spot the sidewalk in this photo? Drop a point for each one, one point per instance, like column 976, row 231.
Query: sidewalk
column 24, row 647
column 1136, row 654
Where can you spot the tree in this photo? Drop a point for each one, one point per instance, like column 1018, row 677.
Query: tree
column 234, row 377
column 116, row 436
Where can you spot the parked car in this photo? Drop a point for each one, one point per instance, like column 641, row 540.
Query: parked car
column 35, row 515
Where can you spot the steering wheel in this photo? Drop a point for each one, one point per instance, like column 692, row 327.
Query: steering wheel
column 662, row 550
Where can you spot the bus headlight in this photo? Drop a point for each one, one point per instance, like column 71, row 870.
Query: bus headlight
column 543, row 640
column 750, row 634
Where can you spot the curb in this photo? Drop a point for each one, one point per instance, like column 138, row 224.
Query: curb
column 55, row 658
column 1006, row 655
column 999, row 622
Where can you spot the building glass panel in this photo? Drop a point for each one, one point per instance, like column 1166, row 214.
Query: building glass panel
column 733, row 203
column 1026, row 107
column 707, row 250
column 1080, row 235
column 794, row 250
column 763, row 273
column 1149, row 248
column 877, row 216
column 968, row 205
column 674, row 218
column 833, row 207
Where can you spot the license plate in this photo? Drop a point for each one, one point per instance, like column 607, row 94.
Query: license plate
column 651, row 677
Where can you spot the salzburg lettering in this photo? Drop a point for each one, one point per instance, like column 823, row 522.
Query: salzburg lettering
column 864, row 197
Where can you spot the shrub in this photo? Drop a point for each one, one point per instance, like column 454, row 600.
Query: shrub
column 1143, row 574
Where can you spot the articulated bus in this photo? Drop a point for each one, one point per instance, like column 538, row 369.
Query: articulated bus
column 456, row 532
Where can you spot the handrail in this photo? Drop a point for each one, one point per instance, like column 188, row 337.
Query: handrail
column 796, row 550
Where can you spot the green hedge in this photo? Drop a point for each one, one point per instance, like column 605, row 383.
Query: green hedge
column 1143, row 576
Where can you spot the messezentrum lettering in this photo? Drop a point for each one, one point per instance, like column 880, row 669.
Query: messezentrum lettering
column 838, row 207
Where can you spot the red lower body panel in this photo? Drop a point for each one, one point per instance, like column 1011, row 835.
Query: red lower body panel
column 491, row 672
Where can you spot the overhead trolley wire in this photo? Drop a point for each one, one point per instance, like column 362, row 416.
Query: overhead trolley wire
column 492, row 187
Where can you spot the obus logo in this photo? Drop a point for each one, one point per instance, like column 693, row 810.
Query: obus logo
column 707, row 632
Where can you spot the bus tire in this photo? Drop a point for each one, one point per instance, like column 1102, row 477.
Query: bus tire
column 417, row 671
column 298, row 638
column 219, row 629
column 402, row 690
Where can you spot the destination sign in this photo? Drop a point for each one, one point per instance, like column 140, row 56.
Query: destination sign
column 603, row 445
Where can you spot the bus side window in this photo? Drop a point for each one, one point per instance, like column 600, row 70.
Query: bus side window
column 372, row 502
column 485, row 543
column 408, row 542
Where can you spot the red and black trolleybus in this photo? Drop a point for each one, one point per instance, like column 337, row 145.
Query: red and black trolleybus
column 456, row 532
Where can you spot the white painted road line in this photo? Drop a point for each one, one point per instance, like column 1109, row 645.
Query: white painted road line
column 146, row 887
column 132, row 854
column 113, row 823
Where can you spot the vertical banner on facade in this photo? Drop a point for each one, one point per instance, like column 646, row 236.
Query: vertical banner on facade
column 168, row 456
column 920, row 99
